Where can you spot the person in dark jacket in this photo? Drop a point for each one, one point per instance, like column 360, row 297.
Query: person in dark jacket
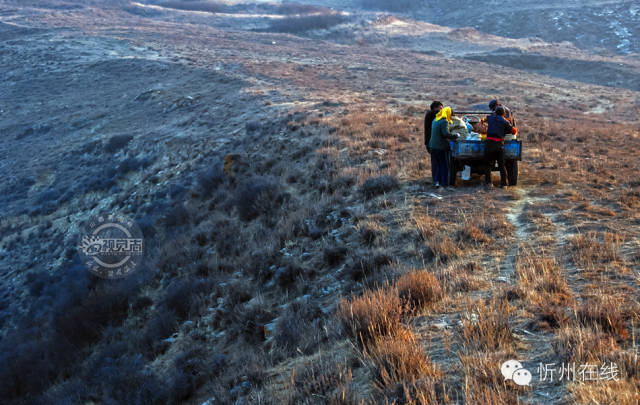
column 439, row 145
column 435, row 108
column 493, row 104
column 497, row 128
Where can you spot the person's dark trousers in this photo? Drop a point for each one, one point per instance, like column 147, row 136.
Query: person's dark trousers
column 433, row 168
column 450, row 181
column 494, row 151
column 439, row 161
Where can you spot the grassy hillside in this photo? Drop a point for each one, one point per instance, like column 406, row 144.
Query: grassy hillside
column 295, row 250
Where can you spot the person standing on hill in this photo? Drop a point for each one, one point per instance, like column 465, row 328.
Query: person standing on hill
column 497, row 128
column 493, row 104
column 439, row 145
column 435, row 108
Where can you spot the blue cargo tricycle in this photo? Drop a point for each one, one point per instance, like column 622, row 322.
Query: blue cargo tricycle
column 471, row 153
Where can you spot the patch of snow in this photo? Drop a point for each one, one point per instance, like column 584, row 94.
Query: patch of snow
column 623, row 35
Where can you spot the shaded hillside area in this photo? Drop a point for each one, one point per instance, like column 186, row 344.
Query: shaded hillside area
column 295, row 249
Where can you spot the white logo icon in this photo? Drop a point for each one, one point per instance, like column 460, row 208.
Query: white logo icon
column 513, row 370
column 522, row 376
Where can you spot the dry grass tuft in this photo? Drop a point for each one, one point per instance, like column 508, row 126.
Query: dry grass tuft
column 375, row 314
column 460, row 277
column 541, row 284
column 487, row 327
column 443, row 248
column 621, row 392
column 483, row 381
column 323, row 377
column 580, row 344
column 399, row 358
column 589, row 251
column 391, row 126
column 472, row 233
column 419, row 289
column 426, row 225
column 372, row 231
column 401, row 369
column 605, row 313
column 496, row 226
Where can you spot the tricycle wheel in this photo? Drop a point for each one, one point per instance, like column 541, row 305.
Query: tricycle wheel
column 512, row 172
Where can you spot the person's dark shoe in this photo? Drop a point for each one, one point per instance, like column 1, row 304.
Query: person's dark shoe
column 437, row 185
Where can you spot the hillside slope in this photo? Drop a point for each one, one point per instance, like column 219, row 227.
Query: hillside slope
column 295, row 250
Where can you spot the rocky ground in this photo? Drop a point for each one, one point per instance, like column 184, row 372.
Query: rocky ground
column 275, row 165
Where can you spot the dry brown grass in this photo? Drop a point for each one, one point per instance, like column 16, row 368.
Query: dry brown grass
column 326, row 377
column 419, row 289
column 375, row 314
column 483, row 381
column 589, row 345
column 630, row 200
column 488, row 328
column 372, row 231
column 543, row 225
column 583, row 344
column 591, row 251
column 596, row 211
column 426, row 225
column 401, row 369
column 471, row 233
column 605, row 313
column 399, row 358
column 461, row 277
column 542, row 286
column 442, row 248
column 621, row 392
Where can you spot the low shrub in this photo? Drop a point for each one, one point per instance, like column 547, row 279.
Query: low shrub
column 398, row 363
column 367, row 264
column 326, row 378
column 132, row 164
column 117, row 142
column 299, row 328
column 374, row 314
column 185, row 297
column 259, row 196
column 209, row 179
column 160, row 326
column 379, row 185
column 335, row 255
column 419, row 288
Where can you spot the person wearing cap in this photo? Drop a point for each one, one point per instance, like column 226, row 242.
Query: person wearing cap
column 497, row 128
column 434, row 109
column 439, row 145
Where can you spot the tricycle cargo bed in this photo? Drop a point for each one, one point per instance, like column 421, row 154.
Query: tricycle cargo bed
column 464, row 149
